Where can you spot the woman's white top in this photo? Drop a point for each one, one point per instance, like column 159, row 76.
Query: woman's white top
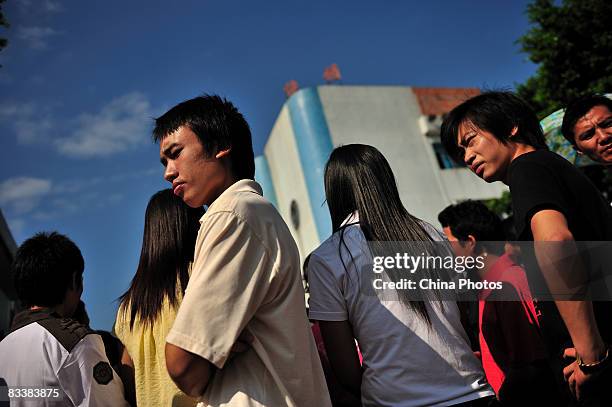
column 406, row 362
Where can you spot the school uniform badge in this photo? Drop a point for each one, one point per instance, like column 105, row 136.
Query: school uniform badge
column 103, row 373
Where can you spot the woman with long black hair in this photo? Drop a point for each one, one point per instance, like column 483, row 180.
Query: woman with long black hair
column 148, row 308
column 415, row 351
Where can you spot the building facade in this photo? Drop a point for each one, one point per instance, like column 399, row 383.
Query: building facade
column 402, row 122
column 8, row 295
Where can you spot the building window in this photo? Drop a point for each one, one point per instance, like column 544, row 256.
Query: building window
column 295, row 214
column 444, row 160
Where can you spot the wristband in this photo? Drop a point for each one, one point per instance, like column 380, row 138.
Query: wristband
column 594, row 366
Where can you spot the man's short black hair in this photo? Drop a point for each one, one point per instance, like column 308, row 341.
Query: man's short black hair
column 218, row 125
column 498, row 113
column 44, row 269
column 472, row 218
column 578, row 108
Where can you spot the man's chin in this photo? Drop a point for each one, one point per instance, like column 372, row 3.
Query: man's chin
column 490, row 178
column 192, row 202
column 605, row 158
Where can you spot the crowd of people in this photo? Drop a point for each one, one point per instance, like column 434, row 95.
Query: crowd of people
column 215, row 313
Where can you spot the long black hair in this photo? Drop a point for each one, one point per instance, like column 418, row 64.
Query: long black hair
column 359, row 178
column 168, row 243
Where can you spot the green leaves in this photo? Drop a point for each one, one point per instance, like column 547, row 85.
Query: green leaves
column 572, row 43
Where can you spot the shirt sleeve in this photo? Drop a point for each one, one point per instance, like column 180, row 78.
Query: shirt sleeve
column 87, row 377
column 534, row 187
column 326, row 300
column 231, row 276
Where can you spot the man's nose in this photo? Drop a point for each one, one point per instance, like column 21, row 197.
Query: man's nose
column 170, row 172
column 604, row 136
column 468, row 157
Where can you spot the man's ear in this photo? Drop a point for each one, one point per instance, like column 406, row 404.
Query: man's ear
column 223, row 153
column 77, row 281
column 471, row 242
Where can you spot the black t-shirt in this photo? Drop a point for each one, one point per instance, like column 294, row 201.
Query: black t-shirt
column 541, row 180
column 544, row 180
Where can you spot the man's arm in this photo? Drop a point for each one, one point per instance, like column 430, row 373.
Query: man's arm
column 126, row 372
column 342, row 354
column 190, row 372
column 87, row 377
column 551, row 226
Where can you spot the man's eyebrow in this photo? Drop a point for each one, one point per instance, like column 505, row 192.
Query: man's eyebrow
column 605, row 119
column 587, row 132
column 463, row 137
column 167, row 149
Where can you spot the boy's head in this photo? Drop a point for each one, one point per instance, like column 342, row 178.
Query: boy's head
column 485, row 131
column 205, row 145
column 48, row 271
column 470, row 226
column 587, row 124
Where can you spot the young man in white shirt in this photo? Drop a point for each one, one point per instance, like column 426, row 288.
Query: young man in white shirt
column 49, row 358
column 245, row 279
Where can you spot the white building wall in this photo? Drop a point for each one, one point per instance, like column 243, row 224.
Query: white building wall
column 288, row 178
column 387, row 117
column 461, row 184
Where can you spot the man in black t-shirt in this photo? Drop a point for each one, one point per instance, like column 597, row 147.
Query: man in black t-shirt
column 499, row 138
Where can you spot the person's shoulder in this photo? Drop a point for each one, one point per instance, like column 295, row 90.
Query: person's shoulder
column 243, row 199
column 348, row 239
column 541, row 158
column 435, row 234
column 67, row 331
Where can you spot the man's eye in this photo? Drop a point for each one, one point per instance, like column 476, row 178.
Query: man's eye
column 606, row 123
column 587, row 135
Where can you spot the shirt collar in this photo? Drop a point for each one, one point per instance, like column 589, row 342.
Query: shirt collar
column 352, row 218
column 503, row 263
column 243, row 185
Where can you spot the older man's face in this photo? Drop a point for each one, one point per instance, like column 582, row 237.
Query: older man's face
column 593, row 134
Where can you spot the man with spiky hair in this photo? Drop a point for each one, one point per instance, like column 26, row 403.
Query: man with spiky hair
column 48, row 356
column 499, row 138
column 245, row 278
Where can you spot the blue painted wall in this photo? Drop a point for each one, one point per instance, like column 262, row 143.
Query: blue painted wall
column 314, row 147
column 262, row 176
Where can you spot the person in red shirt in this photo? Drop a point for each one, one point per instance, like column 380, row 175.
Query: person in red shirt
column 513, row 352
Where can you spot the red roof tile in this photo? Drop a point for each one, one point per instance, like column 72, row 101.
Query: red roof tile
column 436, row 101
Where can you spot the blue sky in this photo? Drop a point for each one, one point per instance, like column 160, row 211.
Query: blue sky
column 81, row 81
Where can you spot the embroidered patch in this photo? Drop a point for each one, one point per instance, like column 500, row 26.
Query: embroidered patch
column 103, row 373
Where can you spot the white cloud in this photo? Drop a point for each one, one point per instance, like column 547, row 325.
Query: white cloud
column 36, row 37
column 51, row 6
column 30, row 124
column 41, row 6
column 30, row 131
column 22, row 194
column 12, row 110
column 28, row 199
column 120, row 125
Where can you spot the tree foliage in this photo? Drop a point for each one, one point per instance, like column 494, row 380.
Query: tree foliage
column 572, row 44
column 502, row 206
